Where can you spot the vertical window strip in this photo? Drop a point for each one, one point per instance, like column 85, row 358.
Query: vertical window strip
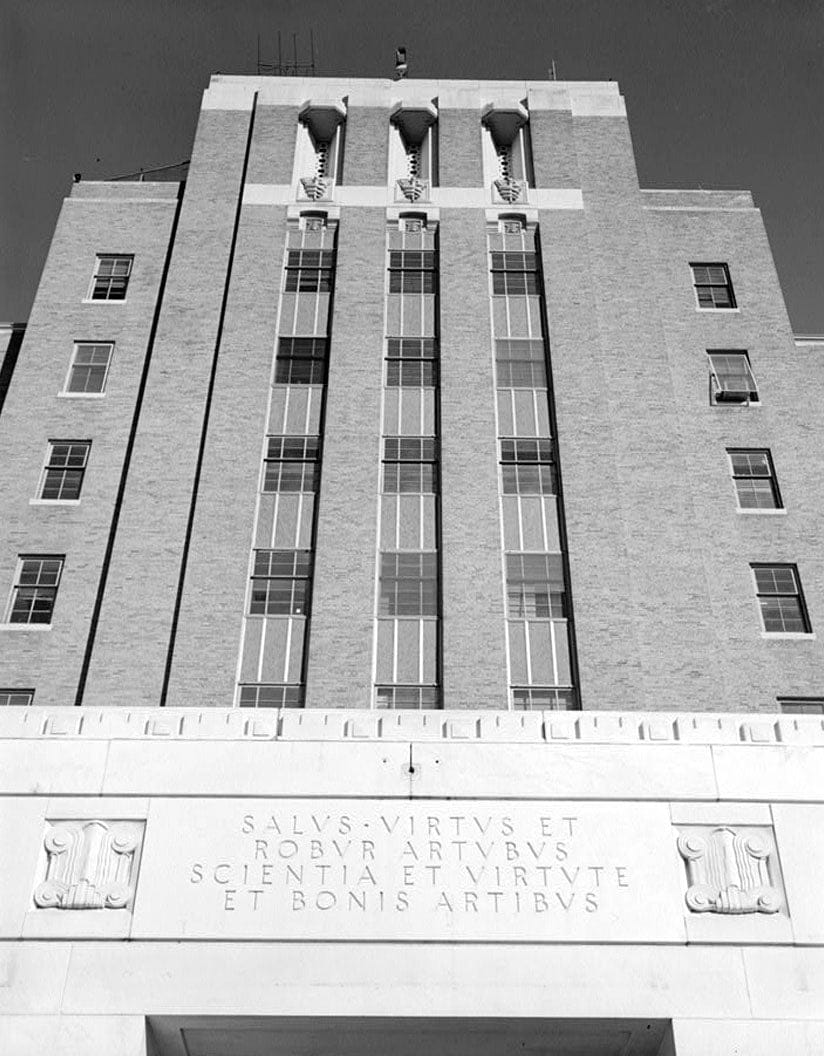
column 280, row 586
column 408, row 581
column 536, row 589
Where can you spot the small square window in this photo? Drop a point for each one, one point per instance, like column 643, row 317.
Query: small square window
column 89, row 368
column 535, row 587
column 258, row 695
column 778, row 590
column 301, row 361
column 407, row 698
column 543, row 698
column 408, row 584
column 35, row 588
column 111, row 278
column 731, row 378
column 801, row 705
column 281, row 583
column 754, row 479
column 64, row 470
column 292, row 463
column 713, row 286
column 16, row 698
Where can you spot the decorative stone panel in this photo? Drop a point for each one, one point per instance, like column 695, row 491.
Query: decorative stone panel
column 90, row 865
column 730, row 871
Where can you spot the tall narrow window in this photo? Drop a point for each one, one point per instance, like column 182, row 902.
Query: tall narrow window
column 754, row 479
column 731, row 378
column 89, row 368
column 65, row 466
column 778, row 589
column 35, row 588
column 540, row 649
column 713, row 286
column 111, row 278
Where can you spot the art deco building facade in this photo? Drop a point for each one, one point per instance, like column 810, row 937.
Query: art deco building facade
column 411, row 565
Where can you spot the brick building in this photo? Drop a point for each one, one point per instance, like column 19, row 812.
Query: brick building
column 452, row 496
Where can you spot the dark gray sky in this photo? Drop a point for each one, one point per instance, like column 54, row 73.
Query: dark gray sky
column 721, row 93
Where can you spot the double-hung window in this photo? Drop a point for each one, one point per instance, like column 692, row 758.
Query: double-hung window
column 281, row 583
column 778, row 589
column 111, row 278
column 412, row 271
column 301, row 361
column 309, row 270
column 65, row 466
column 291, row 463
column 35, row 588
column 754, row 478
column 89, row 368
column 713, row 286
column 731, row 378
column 514, row 273
column 409, row 464
column 527, row 467
column 408, row 584
column 411, row 362
column 520, row 363
column 535, row 586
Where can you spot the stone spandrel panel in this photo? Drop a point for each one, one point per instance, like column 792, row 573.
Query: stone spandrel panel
column 372, row 869
column 89, row 865
column 734, row 888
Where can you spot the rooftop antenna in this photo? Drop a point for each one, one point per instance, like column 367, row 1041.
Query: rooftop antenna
column 290, row 68
column 401, row 68
column 553, row 74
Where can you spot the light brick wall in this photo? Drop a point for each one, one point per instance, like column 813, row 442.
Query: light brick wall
column 127, row 218
column 206, row 646
column 459, row 148
column 343, row 599
column 474, row 658
column 366, row 146
column 554, row 159
column 272, row 151
column 129, row 657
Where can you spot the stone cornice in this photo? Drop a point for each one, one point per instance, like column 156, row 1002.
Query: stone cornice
column 346, row 724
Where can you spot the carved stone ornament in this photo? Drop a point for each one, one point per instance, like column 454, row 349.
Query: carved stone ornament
column 727, row 872
column 91, row 865
column 413, row 188
column 509, row 189
column 512, row 227
column 315, row 187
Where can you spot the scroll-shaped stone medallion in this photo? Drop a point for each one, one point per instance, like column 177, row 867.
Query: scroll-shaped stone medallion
column 728, row 872
column 90, row 865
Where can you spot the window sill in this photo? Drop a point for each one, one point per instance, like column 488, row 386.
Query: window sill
column 25, row 626
column 99, row 300
column 727, row 311
column 81, row 395
column 735, row 403
column 805, row 636
column 54, row 502
column 768, row 512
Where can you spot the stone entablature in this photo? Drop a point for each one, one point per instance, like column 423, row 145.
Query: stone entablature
column 350, row 724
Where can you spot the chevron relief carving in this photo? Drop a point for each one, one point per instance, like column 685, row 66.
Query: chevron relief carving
column 728, row 871
column 90, row 865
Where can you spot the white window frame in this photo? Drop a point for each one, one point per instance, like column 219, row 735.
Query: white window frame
column 68, row 393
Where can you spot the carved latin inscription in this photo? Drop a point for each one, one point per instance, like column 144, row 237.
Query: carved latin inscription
column 90, row 865
column 728, row 872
